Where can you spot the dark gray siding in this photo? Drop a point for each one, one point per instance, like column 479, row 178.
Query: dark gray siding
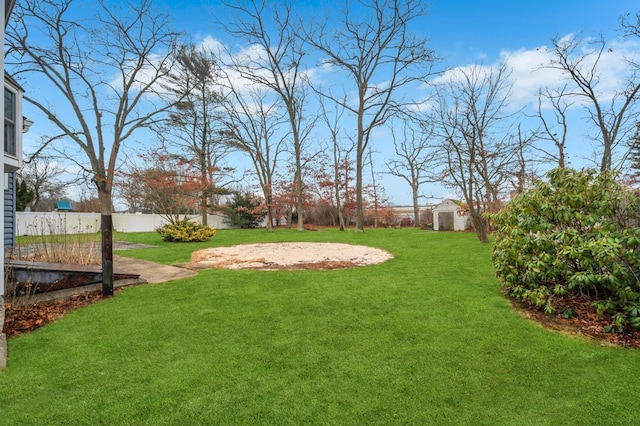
column 9, row 210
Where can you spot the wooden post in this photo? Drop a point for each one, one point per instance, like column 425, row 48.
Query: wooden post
column 107, row 255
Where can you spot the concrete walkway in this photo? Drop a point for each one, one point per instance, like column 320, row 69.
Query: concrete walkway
column 149, row 272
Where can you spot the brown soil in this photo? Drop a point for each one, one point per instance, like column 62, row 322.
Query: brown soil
column 23, row 318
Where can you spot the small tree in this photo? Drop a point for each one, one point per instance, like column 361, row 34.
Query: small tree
column 341, row 154
column 470, row 117
column 245, row 211
column 167, row 186
column 554, row 125
column 414, row 161
column 253, row 126
column 24, row 196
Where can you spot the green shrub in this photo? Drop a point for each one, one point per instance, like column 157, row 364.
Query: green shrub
column 186, row 231
column 572, row 234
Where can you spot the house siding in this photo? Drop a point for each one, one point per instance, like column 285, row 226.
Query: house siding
column 9, row 210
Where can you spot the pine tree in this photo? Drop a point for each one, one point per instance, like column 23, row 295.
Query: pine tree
column 245, row 211
column 24, row 196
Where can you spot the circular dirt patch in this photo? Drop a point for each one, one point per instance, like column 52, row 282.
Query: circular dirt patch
column 276, row 256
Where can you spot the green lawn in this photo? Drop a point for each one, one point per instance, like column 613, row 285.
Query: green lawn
column 425, row 338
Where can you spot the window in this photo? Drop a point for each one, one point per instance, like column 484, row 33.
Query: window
column 9, row 122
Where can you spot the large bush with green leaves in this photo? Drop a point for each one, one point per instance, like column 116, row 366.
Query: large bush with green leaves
column 576, row 232
column 186, row 231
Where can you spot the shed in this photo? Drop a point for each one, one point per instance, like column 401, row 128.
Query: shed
column 451, row 215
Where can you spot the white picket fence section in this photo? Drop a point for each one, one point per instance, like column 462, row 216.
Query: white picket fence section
column 60, row 223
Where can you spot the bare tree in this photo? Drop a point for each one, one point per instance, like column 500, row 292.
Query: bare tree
column 42, row 177
column 554, row 131
column 277, row 66
column 613, row 114
column 195, row 122
column 374, row 188
column 254, row 126
column 341, row 154
column 522, row 144
column 415, row 160
column 379, row 56
column 631, row 24
column 477, row 154
column 99, row 72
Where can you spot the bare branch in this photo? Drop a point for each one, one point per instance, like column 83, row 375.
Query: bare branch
column 615, row 121
column 378, row 56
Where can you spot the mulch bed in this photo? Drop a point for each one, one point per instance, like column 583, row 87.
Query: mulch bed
column 23, row 318
column 585, row 321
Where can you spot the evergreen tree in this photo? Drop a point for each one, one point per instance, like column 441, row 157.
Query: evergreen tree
column 24, row 196
column 245, row 211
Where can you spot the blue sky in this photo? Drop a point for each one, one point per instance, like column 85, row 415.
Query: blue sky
column 466, row 30
column 472, row 32
column 461, row 33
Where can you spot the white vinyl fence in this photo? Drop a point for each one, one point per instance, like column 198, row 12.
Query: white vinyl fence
column 59, row 223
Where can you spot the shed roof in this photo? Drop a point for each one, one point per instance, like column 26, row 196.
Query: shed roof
column 63, row 205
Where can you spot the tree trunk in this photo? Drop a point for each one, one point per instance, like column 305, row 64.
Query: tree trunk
column 416, row 209
column 339, row 208
column 336, row 183
column 204, row 198
column 106, row 229
column 375, row 191
column 269, row 202
column 289, row 216
column 203, row 210
column 479, row 225
column 299, row 203
column 269, row 224
column 359, row 207
column 605, row 165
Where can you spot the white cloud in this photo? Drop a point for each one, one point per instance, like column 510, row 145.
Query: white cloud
column 530, row 71
column 211, row 44
column 251, row 53
column 458, row 74
column 528, row 74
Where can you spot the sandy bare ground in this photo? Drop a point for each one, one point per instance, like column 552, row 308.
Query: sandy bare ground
column 276, row 256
